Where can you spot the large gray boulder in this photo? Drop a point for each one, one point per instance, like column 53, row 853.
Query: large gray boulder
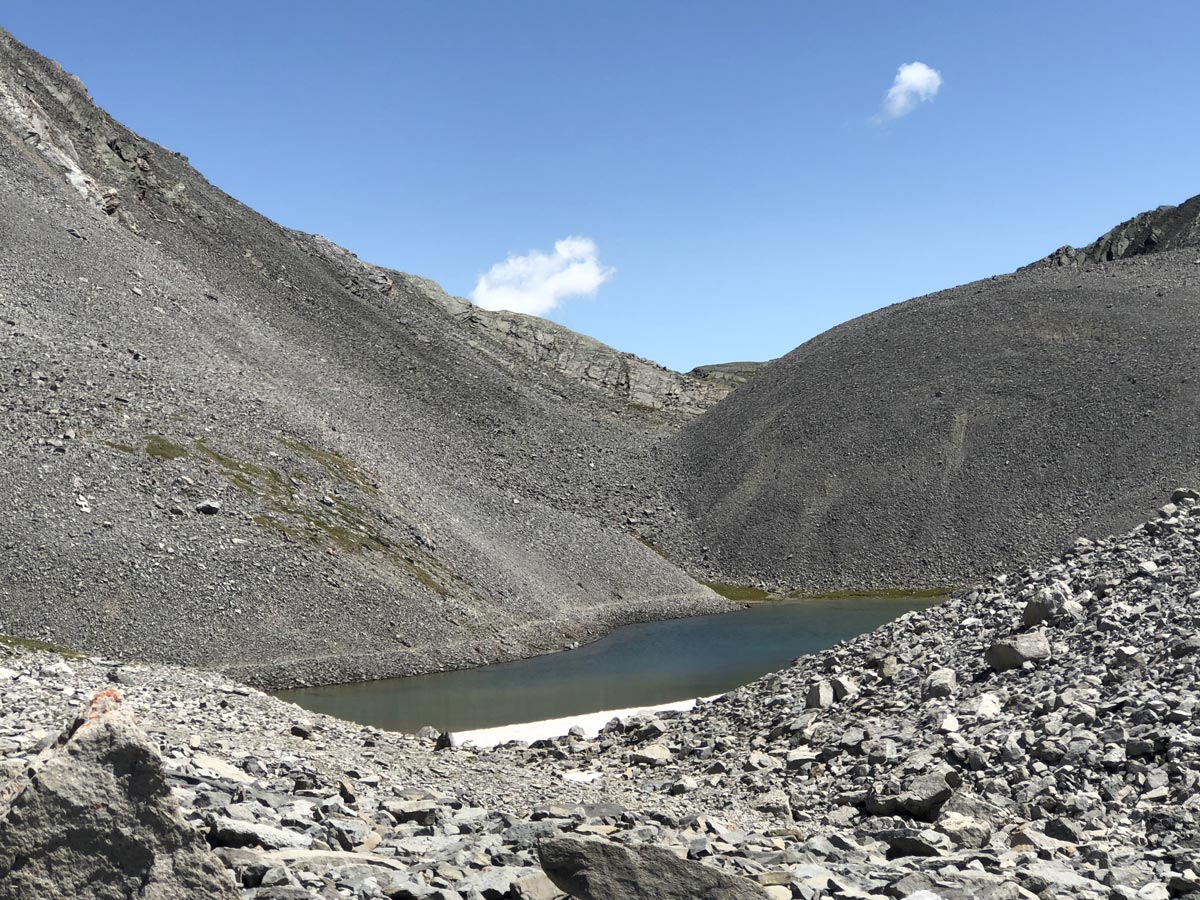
column 600, row 870
column 1013, row 652
column 94, row 819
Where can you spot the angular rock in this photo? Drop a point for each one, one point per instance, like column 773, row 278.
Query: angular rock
column 819, row 696
column 1187, row 647
column 965, row 831
column 925, row 795
column 914, row 842
column 653, row 755
column 940, row 684
column 844, row 686
column 96, row 819
column 227, row 832
column 535, row 887
column 599, row 870
column 1013, row 652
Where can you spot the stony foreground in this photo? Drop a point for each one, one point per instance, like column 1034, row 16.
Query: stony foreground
column 1036, row 735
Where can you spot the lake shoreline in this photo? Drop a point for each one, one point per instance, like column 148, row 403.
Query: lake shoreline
column 634, row 666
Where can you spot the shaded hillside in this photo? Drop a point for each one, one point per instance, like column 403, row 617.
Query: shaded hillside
column 951, row 434
column 231, row 444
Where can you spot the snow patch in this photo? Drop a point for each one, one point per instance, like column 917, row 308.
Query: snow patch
column 591, row 723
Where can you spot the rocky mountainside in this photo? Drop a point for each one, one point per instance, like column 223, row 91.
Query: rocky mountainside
column 1036, row 736
column 506, row 337
column 231, row 444
column 729, row 374
column 981, row 426
column 1165, row 228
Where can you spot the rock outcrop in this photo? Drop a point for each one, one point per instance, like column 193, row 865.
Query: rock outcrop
column 504, row 335
column 729, row 374
column 1156, row 231
column 94, row 819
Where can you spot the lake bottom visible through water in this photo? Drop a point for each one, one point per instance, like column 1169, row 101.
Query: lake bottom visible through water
column 637, row 665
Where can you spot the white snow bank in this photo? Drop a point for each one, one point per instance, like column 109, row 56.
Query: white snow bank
column 591, row 723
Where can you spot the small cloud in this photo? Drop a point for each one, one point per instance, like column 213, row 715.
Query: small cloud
column 915, row 83
column 538, row 282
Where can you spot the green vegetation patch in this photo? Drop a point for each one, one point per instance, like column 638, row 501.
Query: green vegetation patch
column 160, row 448
column 20, row 643
column 249, row 477
column 651, row 545
column 116, row 445
column 321, row 520
column 339, row 468
column 738, row 593
column 929, row 593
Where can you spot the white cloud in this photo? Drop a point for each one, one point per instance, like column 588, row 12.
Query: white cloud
column 538, row 282
column 915, row 83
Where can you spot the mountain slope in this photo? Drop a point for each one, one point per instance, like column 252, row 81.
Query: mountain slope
column 231, row 444
column 973, row 428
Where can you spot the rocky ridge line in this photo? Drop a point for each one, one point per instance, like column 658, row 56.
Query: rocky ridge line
column 500, row 333
column 1156, row 231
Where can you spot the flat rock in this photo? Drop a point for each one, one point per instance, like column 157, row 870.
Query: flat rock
column 599, row 870
column 1013, row 652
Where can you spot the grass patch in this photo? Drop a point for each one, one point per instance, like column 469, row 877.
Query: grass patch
column 425, row 578
column 650, row 545
column 116, row 445
column 20, row 643
column 738, row 593
column 931, row 593
column 322, row 520
column 337, row 466
column 251, row 478
column 160, row 448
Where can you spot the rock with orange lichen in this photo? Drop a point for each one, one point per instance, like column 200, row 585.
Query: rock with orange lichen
column 94, row 818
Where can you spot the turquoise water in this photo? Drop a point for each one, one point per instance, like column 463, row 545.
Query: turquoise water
column 637, row 665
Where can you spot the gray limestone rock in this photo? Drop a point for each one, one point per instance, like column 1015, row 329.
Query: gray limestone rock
column 820, row 695
column 1013, row 652
column 95, row 819
column 940, row 684
column 599, row 870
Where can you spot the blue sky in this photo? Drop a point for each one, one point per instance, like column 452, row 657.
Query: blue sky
column 726, row 162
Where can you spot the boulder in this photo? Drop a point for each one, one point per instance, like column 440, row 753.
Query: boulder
column 1013, row 652
column 95, row 818
column 924, row 795
column 820, row 695
column 940, row 684
column 652, row 755
column 600, row 870
column 1044, row 606
column 228, row 832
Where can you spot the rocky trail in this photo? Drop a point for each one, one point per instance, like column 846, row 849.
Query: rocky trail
column 1036, row 735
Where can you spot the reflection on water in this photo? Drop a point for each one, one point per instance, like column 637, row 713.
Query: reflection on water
column 637, row 665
